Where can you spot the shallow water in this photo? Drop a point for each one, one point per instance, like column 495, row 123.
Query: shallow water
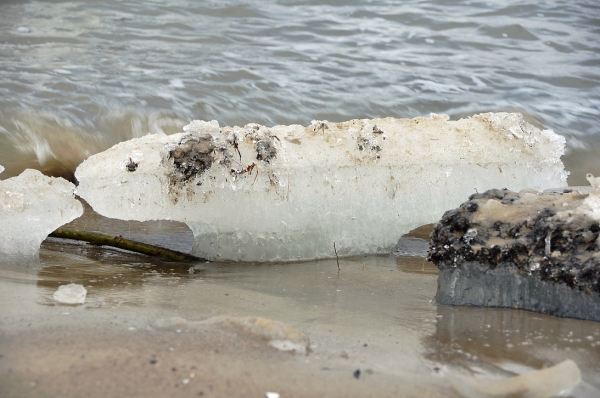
column 375, row 313
column 77, row 77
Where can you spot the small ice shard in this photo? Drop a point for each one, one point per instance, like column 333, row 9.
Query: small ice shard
column 1, row 169
column 31, row 206
column 594, row 181
column 70, row 294
column 269, row 394
column 555, row 381
column 287, row 193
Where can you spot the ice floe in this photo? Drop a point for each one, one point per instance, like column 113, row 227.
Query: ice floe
column 287, row 193
column 32, row 206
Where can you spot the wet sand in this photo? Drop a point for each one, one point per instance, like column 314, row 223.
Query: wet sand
column 110, row 346
column 374, row 315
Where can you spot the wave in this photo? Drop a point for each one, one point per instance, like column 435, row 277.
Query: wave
column 56, row 145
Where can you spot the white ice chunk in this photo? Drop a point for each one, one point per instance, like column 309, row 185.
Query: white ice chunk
column 556, row 381
column 590, row 206
column 31, row 206
column 594, row 181
column 70, row 294
column 1, row 169
column 288, row 193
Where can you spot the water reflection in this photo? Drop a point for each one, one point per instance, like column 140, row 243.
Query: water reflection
column 417, row 265
column 492, row 341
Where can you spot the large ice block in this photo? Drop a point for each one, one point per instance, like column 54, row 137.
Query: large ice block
column 286, row 193
column 32, row 206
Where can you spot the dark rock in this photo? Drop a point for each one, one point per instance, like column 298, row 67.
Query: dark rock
column 527, row 250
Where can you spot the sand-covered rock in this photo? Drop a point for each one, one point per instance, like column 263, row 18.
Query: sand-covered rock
column 530, row 250
column 286, row 193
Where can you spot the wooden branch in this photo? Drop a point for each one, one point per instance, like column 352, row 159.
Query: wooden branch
column 336, row 257
column 97, row 238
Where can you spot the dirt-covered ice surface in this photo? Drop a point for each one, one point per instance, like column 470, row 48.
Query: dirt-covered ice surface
column 151, row 328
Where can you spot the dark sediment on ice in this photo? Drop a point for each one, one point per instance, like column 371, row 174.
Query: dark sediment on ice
column 527, row 250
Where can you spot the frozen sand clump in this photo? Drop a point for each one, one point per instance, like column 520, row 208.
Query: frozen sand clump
column 32, row 206
column 288, row 193
column 555, row 381
column 70, row 294
column 276, row 334
column 529, row 250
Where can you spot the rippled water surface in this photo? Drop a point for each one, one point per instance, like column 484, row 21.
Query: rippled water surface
column 77, row 77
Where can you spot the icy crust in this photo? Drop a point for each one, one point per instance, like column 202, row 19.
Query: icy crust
column 287, row 193
column 31, row 206
column 530, row 250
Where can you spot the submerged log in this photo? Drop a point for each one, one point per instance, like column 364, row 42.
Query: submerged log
column 529, row 250
column 122, row 243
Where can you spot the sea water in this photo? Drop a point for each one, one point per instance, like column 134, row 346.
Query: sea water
column 77, row 77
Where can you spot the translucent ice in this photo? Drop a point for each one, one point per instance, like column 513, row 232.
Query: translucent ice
column 287, row 193
column 70, row 294
column 31, row 206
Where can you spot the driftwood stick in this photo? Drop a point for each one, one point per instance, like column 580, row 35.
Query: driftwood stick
column 336, row 257
column 122, row 243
